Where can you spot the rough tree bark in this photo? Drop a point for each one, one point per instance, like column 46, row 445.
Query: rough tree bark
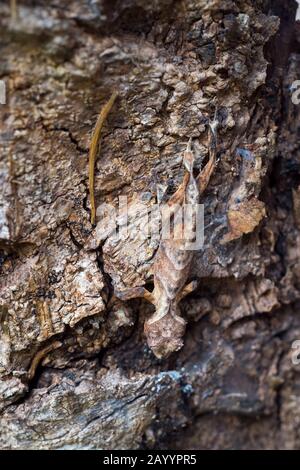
column 74, row 373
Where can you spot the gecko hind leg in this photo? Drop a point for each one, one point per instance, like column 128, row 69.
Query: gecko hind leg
column 187, row 290
column 134, row 293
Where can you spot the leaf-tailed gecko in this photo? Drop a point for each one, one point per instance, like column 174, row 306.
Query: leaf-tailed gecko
column 165, row 328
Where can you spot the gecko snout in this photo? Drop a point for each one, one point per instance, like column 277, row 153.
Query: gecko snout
column 188, row 157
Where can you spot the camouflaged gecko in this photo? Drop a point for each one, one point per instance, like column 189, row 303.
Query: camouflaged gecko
column 165, row 328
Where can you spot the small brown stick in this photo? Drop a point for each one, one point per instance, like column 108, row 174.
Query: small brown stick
column 93, row 152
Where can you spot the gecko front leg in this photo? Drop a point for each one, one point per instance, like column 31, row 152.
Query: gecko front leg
column 205, row 175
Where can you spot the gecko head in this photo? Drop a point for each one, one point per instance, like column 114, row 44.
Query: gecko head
column 188, row 157
column 164, row 335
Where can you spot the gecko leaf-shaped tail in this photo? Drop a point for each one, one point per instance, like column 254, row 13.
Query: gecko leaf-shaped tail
column 165, row 334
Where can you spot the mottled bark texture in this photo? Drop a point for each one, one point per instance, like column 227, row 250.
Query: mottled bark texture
column 74, row 373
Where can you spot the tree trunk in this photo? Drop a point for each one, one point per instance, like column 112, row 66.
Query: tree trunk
column 76, row 371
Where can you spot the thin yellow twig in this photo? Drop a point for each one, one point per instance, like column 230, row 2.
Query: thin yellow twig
column 93, row 151
column 13, row 9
